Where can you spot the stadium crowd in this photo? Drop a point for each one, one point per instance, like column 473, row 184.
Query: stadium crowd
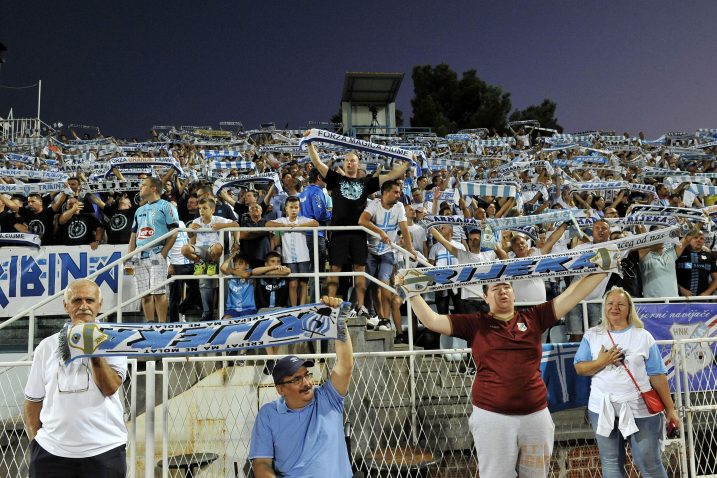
column 444, row 208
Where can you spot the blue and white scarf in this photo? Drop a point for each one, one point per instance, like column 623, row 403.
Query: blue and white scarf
column 130, row 162
column 472, row 188
column 240, row 165
column 34, row 174
column 20, row 239
column 576, row 262
column 280, row 327
column 30, row 188
column 322, row 136
column 244, row 180
column 21, row 158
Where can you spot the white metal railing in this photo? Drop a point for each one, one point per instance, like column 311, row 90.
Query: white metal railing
column 316, row 275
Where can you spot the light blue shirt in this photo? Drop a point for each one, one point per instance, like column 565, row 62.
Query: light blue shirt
column 240, row 296
column 304, row 443
column 659, row 277
column 153, row 220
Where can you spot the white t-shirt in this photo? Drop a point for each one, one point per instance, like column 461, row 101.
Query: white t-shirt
column 444, row 258
column 418, row 237
column 175, row 253
column 386, row 220
column 77, row 420
column 293, row 244
column 467, row 257
column 209, row 238
column 529, row 289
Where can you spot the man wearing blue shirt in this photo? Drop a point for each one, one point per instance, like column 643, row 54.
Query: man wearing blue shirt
column 313, row 206
column 300, row 435
column 154, row 219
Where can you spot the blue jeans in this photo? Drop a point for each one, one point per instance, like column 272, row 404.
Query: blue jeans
column 644, row 444
column 574, row 318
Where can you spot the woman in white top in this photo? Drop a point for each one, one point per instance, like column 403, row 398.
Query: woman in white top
column 616, row 409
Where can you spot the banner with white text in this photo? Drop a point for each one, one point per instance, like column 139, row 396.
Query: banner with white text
column 686, row 321
column 29, row 275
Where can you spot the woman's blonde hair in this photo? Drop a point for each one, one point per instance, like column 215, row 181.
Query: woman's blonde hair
column 632, row 318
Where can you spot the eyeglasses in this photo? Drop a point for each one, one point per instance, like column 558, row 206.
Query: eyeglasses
column 297, row 380
column 73, row 378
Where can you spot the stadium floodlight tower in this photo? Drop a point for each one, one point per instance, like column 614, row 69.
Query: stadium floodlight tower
column 368, row 103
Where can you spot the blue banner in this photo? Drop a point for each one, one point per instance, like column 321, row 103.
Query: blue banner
column 566, row 389
column 28, row 275
column 685, row 321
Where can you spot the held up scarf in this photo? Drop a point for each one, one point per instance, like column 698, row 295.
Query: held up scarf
column 243, row 180
column 577, row 262
column 280, row 327
column 322, row 136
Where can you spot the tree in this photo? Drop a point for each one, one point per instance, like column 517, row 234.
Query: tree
column 543, row 113
column 447, row 104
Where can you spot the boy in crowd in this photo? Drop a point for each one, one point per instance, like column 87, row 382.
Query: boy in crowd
column 294, row 250
column 205, row 249
column 271, row 290
column 241, row 296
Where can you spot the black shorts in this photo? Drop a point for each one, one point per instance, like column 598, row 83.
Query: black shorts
column 348, row 247
column 110, row 464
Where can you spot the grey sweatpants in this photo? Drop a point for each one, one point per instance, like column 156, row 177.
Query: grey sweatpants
column 512, row 445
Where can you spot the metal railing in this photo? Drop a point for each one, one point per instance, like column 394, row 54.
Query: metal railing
column 316, row 275
column 389, row 406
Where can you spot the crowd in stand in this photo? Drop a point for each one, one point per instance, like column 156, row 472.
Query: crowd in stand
column 205, row 183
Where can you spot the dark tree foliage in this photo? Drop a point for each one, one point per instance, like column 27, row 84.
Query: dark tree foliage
column 544, row 113
column 448, row 104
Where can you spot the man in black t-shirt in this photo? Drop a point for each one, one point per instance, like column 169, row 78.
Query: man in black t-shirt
column 349, row 194
column 39, row 219
column 78, row 228
column 119, row 216
column 696, row 269
column 10, row 221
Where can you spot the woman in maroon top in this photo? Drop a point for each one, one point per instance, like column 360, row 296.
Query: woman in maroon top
column 510, row 423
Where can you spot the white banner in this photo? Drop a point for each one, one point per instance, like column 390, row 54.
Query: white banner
column 29, row 275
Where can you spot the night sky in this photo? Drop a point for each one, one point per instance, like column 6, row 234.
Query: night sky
column 125, row 66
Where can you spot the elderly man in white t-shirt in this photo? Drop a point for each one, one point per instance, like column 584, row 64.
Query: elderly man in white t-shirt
column 73, row 412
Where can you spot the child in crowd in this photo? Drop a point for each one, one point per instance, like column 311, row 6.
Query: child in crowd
column 294, row 251
column 205, row 249
column 241, row 296
column 271, row 289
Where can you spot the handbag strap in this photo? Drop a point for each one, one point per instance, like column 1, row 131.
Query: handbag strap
column 624, row 365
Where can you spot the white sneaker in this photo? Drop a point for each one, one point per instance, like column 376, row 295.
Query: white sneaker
column 363, row 311
column 384, row 324
column 372, row 322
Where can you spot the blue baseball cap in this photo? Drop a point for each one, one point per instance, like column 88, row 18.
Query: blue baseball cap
column 287, row 366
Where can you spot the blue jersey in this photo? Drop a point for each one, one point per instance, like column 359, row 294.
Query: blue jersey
column 240, row 296
column 314, row 205
column 152, row 220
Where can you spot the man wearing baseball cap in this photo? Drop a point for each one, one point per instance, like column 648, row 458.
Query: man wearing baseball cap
column 301, row 433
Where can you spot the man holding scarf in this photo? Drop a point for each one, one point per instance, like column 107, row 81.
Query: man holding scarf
column 301, row 433
column 349, row 194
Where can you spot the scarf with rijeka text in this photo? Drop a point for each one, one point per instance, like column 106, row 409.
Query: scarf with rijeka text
column 279, row 327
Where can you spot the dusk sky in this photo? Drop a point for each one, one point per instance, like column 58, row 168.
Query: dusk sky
column 125, row 66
